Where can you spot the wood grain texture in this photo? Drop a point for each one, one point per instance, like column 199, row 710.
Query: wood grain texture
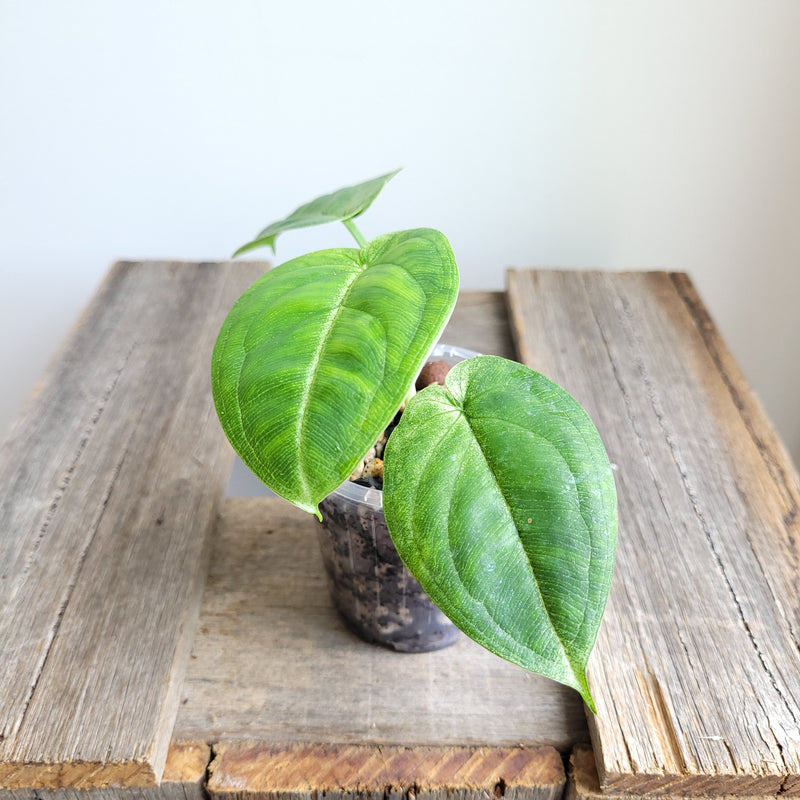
column 696, row 671
column 183, row 779
column 583, row 784
column 110, row 483
column 272, row 661
column 246, row 770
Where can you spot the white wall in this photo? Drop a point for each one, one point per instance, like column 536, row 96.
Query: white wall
column 619, row 135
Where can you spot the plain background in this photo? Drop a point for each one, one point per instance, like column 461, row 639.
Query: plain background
column 617, row 135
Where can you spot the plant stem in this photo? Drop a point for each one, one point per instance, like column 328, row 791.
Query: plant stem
column 351, row 226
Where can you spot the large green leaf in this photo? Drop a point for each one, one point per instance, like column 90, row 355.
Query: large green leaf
column 316, row 357
column 340, row 205
column 500, row 500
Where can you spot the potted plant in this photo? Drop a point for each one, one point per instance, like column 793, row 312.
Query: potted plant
column 498, row 494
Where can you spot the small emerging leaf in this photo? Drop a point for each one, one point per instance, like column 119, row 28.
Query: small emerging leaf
column 340, row 205
column 500, row 500
column 314, row 360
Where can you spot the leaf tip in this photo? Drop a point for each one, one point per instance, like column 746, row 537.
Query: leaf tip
column 309, row 508
column 585, row 693
column 266, row 241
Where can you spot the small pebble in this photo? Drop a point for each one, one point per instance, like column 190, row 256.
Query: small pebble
column 373, row 470
column 432, row 372
column 358, row 471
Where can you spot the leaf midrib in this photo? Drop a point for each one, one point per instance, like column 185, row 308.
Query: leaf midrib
column 314, row 368
column 498, row 486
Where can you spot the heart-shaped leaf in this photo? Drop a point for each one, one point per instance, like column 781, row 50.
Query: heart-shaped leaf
column 500, row 500
column 340, row 205
column 316, row 357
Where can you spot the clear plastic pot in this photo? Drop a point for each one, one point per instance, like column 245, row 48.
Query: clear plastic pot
column 374, row 593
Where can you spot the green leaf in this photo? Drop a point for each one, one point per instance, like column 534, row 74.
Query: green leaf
column 340, row 205
column 316, row 357
column 500, row 500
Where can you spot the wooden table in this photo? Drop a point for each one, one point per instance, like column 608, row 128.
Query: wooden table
column 159, row 639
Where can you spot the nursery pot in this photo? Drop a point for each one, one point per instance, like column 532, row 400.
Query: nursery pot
column 374, row 593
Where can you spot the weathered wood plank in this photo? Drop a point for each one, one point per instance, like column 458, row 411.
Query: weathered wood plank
column 109, row 485
column 583, row 784
column 246, row 770
column 185, row 772
column 272, row 662
column 183, row 779
column 695, row 672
